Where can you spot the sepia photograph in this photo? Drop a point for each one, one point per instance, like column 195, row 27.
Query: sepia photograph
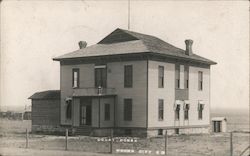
column 124, row 77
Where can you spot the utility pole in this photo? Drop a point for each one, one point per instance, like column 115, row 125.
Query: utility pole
column 128, row 14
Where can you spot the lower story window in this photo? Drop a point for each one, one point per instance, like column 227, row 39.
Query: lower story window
column 160, row 131
column 186, row 109
column 68, row 109
column 177, row 112
column 200, row 111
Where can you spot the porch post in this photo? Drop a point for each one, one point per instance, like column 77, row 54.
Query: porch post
column 99, row 102
column 114, row 110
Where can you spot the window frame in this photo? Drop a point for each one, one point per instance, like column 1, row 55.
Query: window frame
column 107, row 112
column 186, row 76
column 103, row 76
column 160, row 76
column 200, row 111
column 128, row 110
column 186, row 112
column 160, row 110
column 177, row 76
column 77, row 71
column 128, row 76
column 177, row 112
column 200, row 80
column 68, row 110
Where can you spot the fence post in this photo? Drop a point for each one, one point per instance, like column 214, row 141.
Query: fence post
column 166, row 141
column 111, row 141
column 66, row 139
column 231, row 143
column 27, row 137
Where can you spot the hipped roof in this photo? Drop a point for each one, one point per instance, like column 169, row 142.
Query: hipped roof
column 128, row 42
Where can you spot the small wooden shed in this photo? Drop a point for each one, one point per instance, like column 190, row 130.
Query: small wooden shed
column 219, row 124
column 45, row 113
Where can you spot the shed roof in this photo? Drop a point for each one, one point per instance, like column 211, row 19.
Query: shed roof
column 219, row 118
column 49, row 94
column 127, row 42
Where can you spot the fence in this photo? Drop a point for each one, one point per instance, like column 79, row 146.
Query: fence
column 229, row 144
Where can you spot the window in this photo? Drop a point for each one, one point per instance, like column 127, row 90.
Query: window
column 160, row 109
column 177, row 76
column 200, row 110
column 160, row 76
column 128, row 76
column 160, row 131
column 68, row 109
column 107, row 112
column 128, row 109
column 186, row 109
column 75, row 78
column 100, row 76
column 177, row 112
column 200, row 80
column 186, row 71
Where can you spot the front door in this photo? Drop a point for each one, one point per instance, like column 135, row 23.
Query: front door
column 85, row 113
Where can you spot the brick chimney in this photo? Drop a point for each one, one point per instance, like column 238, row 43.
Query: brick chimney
column 189, row 44
column 82, row 44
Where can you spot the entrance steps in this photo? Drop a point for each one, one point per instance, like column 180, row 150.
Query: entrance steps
column 83, row 130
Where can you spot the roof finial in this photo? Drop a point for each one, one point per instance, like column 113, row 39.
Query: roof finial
column 128, row 14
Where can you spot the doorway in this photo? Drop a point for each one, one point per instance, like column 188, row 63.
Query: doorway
column 85, row 112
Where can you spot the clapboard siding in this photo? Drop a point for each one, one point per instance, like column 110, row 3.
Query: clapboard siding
column 45, row 112
column 138, row 93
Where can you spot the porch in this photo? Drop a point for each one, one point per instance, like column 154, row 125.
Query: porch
column 93, row 110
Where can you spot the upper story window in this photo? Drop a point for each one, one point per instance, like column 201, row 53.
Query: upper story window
column 128, row 76
column 186, row 77
column 75, row 78
column 100, row 76
column 160, row 109
column 107, row 112
column 200, row 80
column 177, row 76
column 127, row 110
column 160, row 76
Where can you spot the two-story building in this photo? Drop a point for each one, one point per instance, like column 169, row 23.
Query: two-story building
column 135, row 84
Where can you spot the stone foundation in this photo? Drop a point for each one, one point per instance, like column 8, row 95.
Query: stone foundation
column 176, row 131
column 51, row 129
column 132, row 132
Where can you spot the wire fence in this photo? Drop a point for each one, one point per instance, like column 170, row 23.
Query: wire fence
column 218, row 144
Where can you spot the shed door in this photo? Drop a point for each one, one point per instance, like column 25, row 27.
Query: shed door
column 217, row 126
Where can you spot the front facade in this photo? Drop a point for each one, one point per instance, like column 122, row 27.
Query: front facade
column 135, row 84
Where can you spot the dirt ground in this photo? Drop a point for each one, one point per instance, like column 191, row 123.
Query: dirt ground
column 12, row 142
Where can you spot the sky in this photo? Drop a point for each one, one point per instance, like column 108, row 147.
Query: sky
column 33, row 32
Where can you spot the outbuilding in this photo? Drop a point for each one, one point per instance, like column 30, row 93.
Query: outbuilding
column 46, row 111
column 219, row 124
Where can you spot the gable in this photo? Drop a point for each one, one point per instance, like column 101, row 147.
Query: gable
column 117, row 36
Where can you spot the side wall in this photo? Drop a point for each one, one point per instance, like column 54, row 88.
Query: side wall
column 46, row 116
column 168, row 95
column 138, row 92
column 195, row 95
